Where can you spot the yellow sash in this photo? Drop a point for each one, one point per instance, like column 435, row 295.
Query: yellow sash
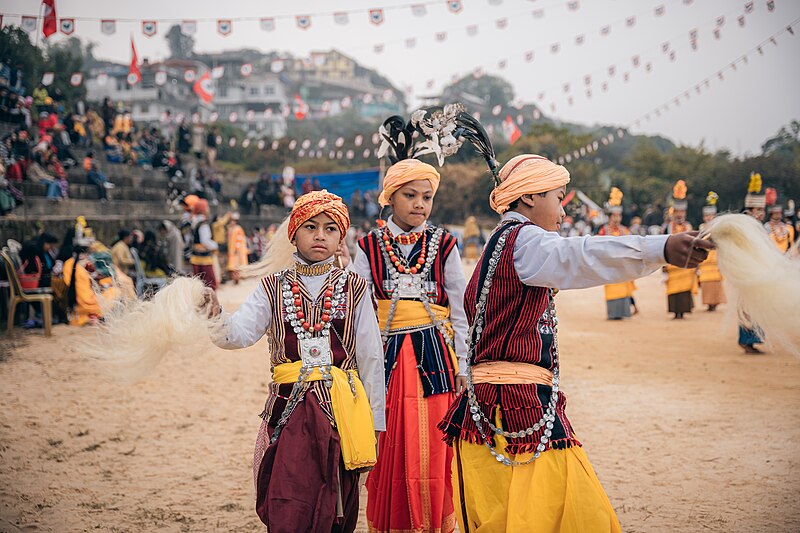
column 412, row 314
column 351, row 412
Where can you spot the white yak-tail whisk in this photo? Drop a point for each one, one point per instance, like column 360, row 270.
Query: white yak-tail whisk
column 766, row 282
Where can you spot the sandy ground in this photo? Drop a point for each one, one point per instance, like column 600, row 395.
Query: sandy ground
column 685, row 432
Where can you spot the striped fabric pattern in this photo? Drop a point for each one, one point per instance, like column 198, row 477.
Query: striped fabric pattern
column 435, row 365
column 283, row 345
column 518, row 328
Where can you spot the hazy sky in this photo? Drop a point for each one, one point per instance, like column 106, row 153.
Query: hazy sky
column 739, row 113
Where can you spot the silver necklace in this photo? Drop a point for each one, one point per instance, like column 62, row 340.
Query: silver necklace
column 475, row 332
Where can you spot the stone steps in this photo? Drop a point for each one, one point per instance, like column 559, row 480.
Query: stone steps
column 86, row 191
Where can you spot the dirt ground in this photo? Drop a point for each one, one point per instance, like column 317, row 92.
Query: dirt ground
column 686, row 433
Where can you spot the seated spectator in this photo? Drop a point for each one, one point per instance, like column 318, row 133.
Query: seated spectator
column 56, row 169
column 47, row 122
column 61, row 144
column 39, row 255
column 96, row 127
column 113, row 150
column 38, row 174
column 95, row 177
column 8, row 194
column 153, row 257
column 39, row 96
column 121, row 252
column 247, row 201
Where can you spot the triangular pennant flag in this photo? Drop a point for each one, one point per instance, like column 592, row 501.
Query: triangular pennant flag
column 190, row 75
column 605, row 30
column 149, row 27
column 441, row 36
column 267, row 24
column 411, row 43
column 419, row 10
column 502, row 64
column 587, row 80
column 579, row 39
column 160, row 77
column 28, row 24
column 717, row 33
column 276, row 66
column 341, row 18
column 376, row 16
column 48, row 78
column 665, row 47
column 741, row 20
column 770, row 6
column 720, row 21
column 748, row 7
column 612, row 70
column 217, row 72
column 76, row 79
column 538, row 13
column 501, row 23
column 472, row 31
column 67, row 26
column 630, row 22
column 224, row 27
column 108, row 26
column 573, row 6
column 246, row 69
column 189, row 27
column 454, row 6
column 554, row 48
column 378, row 48
column 529, row 56
column 303, row 21
column 659, row 11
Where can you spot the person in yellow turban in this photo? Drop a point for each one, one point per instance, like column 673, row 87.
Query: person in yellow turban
column 681, row 281
column 519, row 465
column 327, row 395
column 619, row 296
column 415, row 272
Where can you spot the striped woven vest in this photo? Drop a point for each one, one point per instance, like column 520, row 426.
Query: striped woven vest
column 517, row 328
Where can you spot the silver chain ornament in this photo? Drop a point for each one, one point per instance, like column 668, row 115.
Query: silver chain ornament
column 475, row 332
column 299, row 387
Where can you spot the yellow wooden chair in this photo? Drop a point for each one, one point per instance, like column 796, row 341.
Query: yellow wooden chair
column 20, row 295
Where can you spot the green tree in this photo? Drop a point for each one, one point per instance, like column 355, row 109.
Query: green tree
column 16, row 46
column 488, row 91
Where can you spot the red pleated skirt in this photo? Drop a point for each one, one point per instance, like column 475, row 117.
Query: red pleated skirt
column 410, row 489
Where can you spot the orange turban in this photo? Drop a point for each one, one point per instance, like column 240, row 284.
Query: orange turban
column 526, row 174
column 200, row 207
column 406, row 171
column 312, row 204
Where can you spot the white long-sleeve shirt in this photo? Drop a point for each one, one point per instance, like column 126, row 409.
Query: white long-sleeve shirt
column 546, row 259
column 204, row 232
column 251, row 321
column 454, row 285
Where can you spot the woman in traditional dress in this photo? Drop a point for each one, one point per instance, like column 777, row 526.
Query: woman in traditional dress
column 619, row 296
column 681, row 281
column 708, row 274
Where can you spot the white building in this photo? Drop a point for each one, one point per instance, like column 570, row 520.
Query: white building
column 147, row 100
column 257, row 103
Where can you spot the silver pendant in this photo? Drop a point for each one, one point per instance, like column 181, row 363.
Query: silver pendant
column 408, row 286
column 316, row 352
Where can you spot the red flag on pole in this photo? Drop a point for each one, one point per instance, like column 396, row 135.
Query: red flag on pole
column 134, row 72
column 50, row 24
column 511, row 130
